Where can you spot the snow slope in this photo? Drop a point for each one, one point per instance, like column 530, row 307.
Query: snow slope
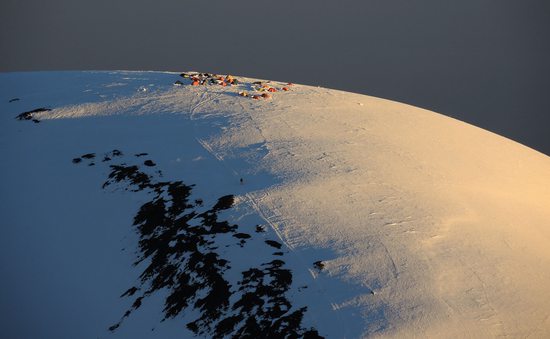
column 424, row 226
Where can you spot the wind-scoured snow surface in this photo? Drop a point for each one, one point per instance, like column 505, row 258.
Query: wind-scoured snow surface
column 355, row 217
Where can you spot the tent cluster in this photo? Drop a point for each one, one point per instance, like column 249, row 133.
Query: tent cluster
column 208, row 79
column 262, row 90
column 264, row 87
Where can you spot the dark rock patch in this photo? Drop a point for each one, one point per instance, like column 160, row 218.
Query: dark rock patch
column 88, row 156
column 224, row 202
column 141, row 154
column 178, row 245
column 130, row 292
column 319, row 265
column 182, row 258
column 14, row 100
column 29, row 114
column 149, row 163
column 260, row 229
column 278, row 253
column 242, row 236
column 312, row 334
column 263, row 311
column 77, row 160
column 131, row 174
column 274, row 243
column 116, row 153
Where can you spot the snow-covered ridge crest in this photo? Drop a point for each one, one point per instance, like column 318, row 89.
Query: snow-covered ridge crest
column 425, row 226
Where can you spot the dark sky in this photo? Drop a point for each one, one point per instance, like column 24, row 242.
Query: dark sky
column 486, row 62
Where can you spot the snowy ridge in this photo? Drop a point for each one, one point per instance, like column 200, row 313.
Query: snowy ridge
column 400, row 222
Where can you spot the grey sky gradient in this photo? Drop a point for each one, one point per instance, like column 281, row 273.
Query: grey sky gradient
column 482, row 61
